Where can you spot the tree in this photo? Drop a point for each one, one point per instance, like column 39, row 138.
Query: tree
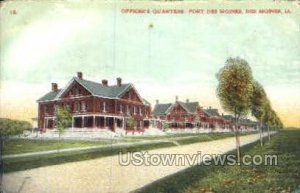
column 266, row 116
column 166, row 126
column 131, row 122
column 235, row 91
column 259, row 97
column 63, row 120
column 9, row 128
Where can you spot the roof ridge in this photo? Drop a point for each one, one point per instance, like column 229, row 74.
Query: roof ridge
column 94, row 82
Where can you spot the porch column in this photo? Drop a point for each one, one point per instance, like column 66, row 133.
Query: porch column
column 114, row 125
column 94, row 122
column 104, row 123
column 82, row 122
column 44, row 124
column 72, row 123
column 124, row 123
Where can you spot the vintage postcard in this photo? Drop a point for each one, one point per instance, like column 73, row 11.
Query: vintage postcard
column 149, row 96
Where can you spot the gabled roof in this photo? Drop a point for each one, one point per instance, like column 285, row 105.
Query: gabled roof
column 49, row 96
column 247, row 122
column 161, row 109
column 96, row 89
column 228, row 117
column 146, row 102
column 212, row 112
column 190, row 107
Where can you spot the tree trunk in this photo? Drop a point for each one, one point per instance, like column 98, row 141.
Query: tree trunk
column 237, row 142
column 269, row 136
column 261, row 138
column 1, row 162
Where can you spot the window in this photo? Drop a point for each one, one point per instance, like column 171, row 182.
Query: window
column 129, row 95
column 76, row 92
column 134, row 110
column 46, row 110
column 77, row 107
column 84, row 106
column 121, row 108
column 55, row 109
column 127, row 109
column 68, row 106
column 104, row 107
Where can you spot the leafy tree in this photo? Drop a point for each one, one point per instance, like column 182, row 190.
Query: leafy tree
column 267, row 116
column 235, row 91
column 259, row 97
column 166, row 126
column 63, row 120
column 131, row 122
column 9, row 128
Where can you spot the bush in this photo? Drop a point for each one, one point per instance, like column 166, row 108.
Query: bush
column 10, row 127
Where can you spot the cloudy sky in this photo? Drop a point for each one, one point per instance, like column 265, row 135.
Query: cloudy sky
column 44, row 42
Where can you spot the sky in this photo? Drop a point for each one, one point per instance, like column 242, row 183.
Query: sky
column 49, row 41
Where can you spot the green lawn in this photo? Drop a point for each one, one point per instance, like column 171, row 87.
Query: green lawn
column 18, row 164
column 16, row 146
column 283, row 178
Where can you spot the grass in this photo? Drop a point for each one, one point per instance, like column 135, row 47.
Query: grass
column 59, row 158
column 18, row 164
column 16, row 146
column 282, row 178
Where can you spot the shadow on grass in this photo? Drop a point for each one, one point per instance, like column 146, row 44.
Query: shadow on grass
column 178, row 182
column 20, row 164
column 284, row 177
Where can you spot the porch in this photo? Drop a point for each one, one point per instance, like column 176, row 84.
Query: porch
column 94, row 122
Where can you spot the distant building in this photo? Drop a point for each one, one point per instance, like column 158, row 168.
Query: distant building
column 215, row 119
column 95, row 105
column 180, row 115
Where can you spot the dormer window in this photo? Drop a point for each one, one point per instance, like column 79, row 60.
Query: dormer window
column 129, row 95
column 76, row 91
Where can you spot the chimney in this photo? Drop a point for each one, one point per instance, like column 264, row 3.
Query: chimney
column 54, row 87
column 176, row 98
column 119, row 81
column 187, row 100
column 157, row 102
column 104, row 82
column 79, row 75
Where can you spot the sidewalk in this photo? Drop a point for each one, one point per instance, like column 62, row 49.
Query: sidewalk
column 106, row 174
column 94, row 148
column 78, row 149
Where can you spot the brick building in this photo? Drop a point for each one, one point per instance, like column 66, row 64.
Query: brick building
column 95, row 105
